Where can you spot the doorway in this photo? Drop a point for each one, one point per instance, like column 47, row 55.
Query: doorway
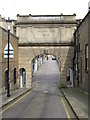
column 6, row 78
column 69, row 77
column 22, row 77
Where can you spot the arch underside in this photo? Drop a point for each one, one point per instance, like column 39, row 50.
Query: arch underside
column 64, row 53
column 45, row 36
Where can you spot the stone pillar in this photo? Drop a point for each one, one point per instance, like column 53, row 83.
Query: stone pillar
column 66, row 56
column 1, row 72
column 43, row 60
column 62, row 75
column 29, row 75
column 64, row 67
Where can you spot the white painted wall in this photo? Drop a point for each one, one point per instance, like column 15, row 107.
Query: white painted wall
column 36, row 65
column 21, row 81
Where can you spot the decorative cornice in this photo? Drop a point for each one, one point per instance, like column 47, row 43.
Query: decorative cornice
column 45, row 44
column 45, row 22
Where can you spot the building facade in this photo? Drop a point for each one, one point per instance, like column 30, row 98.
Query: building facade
column 4, row 23
column 80, row 60
column 53, row 34
column 40, row 33
column 13, row 65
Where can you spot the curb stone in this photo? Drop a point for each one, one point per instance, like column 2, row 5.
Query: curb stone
column 16, row 98
column 70, row 105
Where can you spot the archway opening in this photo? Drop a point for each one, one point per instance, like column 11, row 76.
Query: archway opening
column 6, row 78
column 69, row 77
column 22, row 77
column 14, row 75
column 46, row 69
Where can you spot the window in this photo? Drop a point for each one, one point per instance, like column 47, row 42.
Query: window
column 86, row 57
column 14, row 75
column 75, row 44
column 76, row 71
column 79, row 43
column 73, row 64
column 14, row 30
column 6, row 78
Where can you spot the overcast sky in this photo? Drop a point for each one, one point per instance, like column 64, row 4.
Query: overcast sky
column 10, row 8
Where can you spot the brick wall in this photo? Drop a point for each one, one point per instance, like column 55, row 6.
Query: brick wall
column 13, row 62
column 82, row 34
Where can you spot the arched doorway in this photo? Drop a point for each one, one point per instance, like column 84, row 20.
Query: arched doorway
column 69, row 77
column 14, row 76
column 22, row 77
column 6, row 78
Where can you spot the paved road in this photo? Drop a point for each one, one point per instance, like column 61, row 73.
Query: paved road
column 44, row 100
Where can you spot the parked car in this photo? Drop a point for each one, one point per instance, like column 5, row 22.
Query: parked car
column 53, row 58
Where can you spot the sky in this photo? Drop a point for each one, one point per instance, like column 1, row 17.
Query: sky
column 10, row 8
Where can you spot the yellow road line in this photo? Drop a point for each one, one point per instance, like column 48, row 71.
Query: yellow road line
column 14, row 102
column 66, row 110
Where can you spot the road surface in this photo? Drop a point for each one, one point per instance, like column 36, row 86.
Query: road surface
column 44, row 100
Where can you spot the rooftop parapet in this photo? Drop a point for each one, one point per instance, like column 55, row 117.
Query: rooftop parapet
column 45, row 18
column 2, row 19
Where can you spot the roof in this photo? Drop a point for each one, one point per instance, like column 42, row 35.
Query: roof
column 83, row 20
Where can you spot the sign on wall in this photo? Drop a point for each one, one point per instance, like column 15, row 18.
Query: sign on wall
column 11, row 51
column 45, row 35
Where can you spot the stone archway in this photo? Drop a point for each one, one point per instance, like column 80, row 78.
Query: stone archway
column 64, row 53
column 40, row 34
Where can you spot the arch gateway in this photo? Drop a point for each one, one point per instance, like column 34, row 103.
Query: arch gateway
column 40, row 33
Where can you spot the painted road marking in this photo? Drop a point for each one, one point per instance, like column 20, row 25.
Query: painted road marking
column 14, row 102
column 66, row 110
column 45, row 91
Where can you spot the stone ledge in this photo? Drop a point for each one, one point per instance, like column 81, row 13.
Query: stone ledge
column 46, row 44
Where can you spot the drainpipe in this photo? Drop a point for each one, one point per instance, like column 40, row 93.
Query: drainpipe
column 77, row 58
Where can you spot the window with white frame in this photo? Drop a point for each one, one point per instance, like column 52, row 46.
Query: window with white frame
column 86, row 57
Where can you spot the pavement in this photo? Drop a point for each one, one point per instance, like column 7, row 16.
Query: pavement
column 44, row 100
column 14, row 94
column 78, row 101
